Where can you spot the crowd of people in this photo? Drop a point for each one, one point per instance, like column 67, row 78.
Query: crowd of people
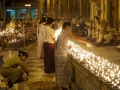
column 79, row 26
column 51, row 49
column 55, row 51
column 14, row 31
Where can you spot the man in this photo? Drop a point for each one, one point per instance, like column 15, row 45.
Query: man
column 48, row 45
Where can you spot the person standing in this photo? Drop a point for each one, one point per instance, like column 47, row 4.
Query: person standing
column 82, row 26
column 74, row 23
column 82, row 22
column 61, row 55
column 40, row 38
column 48, row 45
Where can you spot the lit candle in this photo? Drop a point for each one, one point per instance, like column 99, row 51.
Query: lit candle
column 98, row 65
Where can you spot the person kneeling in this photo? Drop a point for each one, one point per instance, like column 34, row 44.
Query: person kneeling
column 10, row 71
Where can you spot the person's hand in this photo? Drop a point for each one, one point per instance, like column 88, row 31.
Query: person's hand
column 26, row 78
column 89, row 45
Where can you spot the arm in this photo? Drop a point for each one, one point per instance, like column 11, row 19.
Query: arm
column 22, row 65
column 78, row 38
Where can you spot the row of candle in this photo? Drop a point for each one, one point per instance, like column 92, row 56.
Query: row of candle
column 6, row 31
column 109, row 72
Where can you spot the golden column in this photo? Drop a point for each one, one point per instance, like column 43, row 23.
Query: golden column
column 106, row 10
column 39, row 6
column 119, row 10
column 64, row 9
column 3, row 11
column 52, row 8
column 71, row 8
column 91, row 9
column 48, row 7
column 102, row 8
column 59, row 8
column 74, row 13
column 81, row 7
column 119, row 15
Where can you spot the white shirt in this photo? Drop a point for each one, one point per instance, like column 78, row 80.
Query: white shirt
column 48, row 34
column 40, row 28
column 74, row 20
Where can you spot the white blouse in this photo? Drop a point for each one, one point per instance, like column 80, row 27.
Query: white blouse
column 48, row 34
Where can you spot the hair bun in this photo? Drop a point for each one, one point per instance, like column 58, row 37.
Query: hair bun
column 23, row 53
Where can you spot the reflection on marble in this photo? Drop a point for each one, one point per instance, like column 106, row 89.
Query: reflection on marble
column 36, row 69
column 33, row 64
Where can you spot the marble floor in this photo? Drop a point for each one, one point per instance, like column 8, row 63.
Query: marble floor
column 36, row 68
column 33, row 64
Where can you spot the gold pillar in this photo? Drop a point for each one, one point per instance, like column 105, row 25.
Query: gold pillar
column 102, row 8
column 39, row 8
column 52, row 8
column 59, row 8
column 3, row 11
column 91, row 9
column 48, row 7
column 64, row 9
column 106, row 10
column 119, row 10
column 118, row 15
column 81, row 7
column 74, row 7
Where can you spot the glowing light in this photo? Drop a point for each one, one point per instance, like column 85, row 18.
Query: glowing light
column 57, row 32
column 105, row 70
column 28, row 5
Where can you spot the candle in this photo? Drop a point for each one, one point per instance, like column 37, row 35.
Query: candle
column 96, row 64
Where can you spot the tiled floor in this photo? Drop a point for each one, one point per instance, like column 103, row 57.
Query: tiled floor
column 33, row 64
column 36, row 69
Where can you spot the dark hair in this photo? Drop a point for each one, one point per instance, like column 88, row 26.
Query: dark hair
column 66, row 24
column 23, row 53
column 96, row 17
column 43, row 19
column 50, row 20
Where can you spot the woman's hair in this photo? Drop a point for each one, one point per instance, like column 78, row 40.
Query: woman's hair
column 43, row 19
column 50, row 20
column 65, row 24
column 22, row 53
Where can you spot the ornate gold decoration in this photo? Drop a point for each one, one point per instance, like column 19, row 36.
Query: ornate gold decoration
column 91, row 1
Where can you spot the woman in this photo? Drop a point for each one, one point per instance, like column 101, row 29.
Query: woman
column 9, row 69
column 40, row 38
column 61, row 55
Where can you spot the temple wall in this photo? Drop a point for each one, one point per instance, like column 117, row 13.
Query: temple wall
column 69, row 8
